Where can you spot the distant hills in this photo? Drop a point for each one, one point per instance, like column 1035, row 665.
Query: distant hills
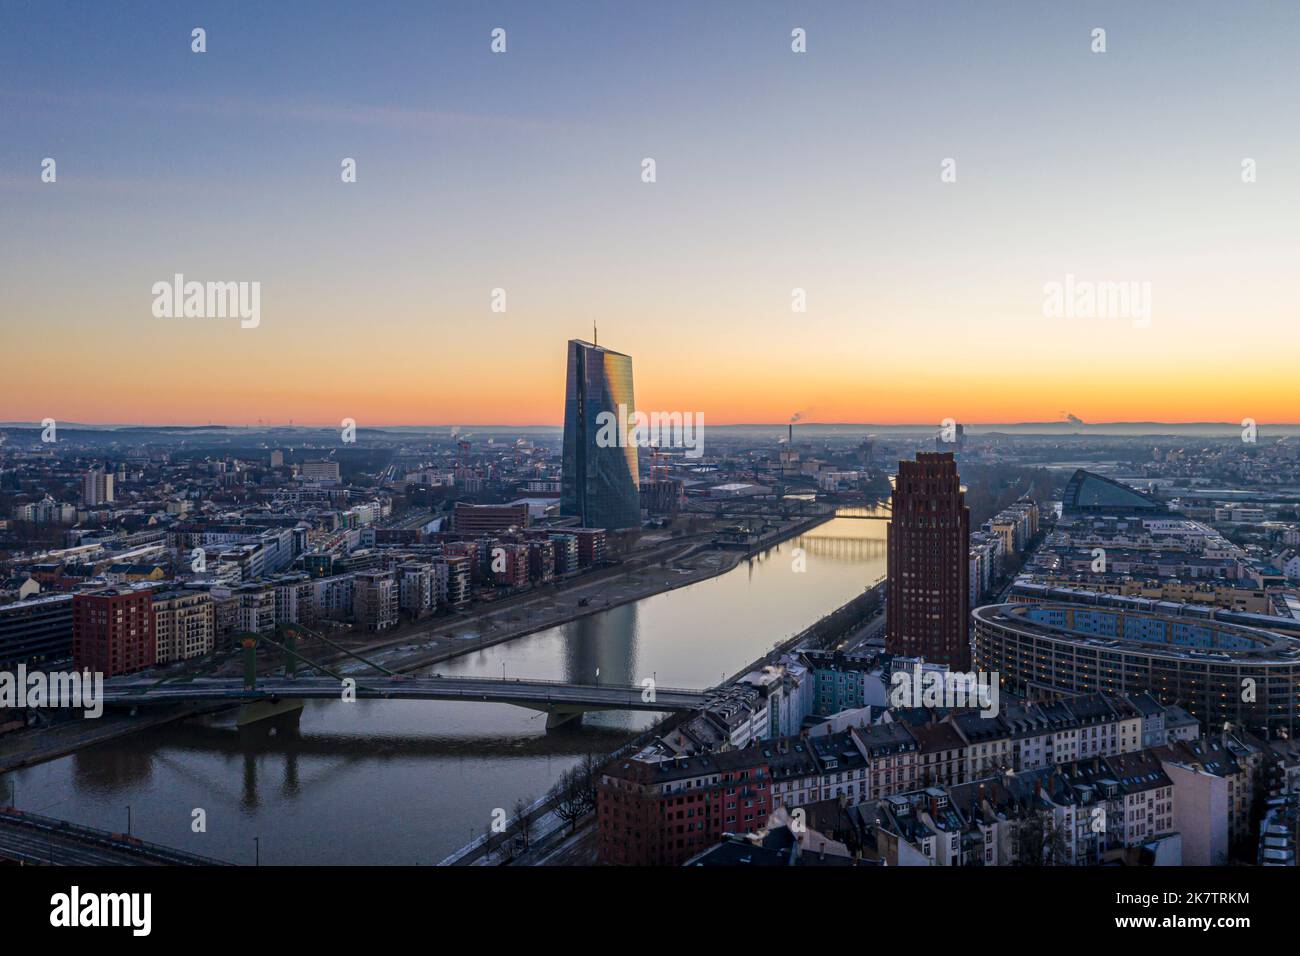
column 1061, row 428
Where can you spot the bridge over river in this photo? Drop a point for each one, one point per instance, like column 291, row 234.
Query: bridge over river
column 559, row 700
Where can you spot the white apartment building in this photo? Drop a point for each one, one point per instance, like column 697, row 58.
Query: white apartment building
column 184, row 625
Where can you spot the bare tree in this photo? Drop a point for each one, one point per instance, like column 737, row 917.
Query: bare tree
column 1056, row 842
column 590, row 771
column 1027, row 837
column 522, row 825
column 1040, row 841
column 574, row 794
column 567, row 794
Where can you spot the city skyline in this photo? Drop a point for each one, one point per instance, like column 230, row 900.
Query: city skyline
column 917, row 486
column 818, row 172
column 902, row 426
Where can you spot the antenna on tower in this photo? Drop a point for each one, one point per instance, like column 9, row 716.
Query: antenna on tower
column 595, row 339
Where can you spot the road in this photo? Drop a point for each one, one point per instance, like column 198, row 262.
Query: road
column 528, row 693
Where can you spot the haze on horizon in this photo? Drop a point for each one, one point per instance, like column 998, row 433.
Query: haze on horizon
column 776, row 171
column 1271, row 430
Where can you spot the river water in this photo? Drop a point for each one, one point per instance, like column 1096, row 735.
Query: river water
column 376, row 782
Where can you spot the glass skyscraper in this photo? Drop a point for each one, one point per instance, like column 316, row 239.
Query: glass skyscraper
column 600, row 484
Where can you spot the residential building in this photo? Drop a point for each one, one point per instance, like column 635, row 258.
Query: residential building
column 375, row 600
column 664, row 812
column 97, row 488
column 112, row 631
column 184, row 625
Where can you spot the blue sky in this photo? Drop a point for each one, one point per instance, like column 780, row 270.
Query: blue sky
column 775, row 170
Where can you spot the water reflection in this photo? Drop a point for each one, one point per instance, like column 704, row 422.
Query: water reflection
column 602, row 649
column 407, row 781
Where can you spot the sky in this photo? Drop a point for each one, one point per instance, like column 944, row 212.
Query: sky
column 775, row 171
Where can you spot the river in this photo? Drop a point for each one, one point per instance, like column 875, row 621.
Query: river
column 407, row 782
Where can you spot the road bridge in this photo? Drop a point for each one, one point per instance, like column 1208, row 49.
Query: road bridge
column 560, row 701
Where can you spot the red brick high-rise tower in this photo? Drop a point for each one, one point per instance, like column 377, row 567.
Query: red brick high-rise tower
column 929, row 569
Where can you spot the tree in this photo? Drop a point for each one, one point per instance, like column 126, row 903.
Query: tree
column 1056, row 842
column 1040, row 841
column 567, row 794
column 574, row 794
column 522, row 825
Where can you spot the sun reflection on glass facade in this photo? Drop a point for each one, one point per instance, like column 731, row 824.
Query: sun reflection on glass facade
column 600, row 485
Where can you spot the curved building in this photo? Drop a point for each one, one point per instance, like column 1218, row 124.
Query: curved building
column 1218, row 671
column 1086, row 493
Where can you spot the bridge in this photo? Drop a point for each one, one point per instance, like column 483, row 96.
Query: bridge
column 30, row 838
column 880, row 512
column 560, row 701
column 840, row 548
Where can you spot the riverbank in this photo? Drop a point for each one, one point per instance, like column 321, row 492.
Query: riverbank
column 640, row 577
column 556, row 839
column 667, row 567
column 26, row 748
column 385, row 781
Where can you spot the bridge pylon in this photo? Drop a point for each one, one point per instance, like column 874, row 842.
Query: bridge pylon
column 249, row 643
column 288, row 645
column 560, row 716
column 290, row 649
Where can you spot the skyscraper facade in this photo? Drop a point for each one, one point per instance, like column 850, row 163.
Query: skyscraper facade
column 928, row 551
column 600, row 485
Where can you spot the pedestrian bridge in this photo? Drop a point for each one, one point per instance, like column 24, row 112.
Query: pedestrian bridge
column 560, row 701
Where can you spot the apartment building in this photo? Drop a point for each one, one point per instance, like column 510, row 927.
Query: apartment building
column 256, row 608
column 418, row 589
column 375, row 601
column 184, row 625
column 112, row 631
column 663, row 812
